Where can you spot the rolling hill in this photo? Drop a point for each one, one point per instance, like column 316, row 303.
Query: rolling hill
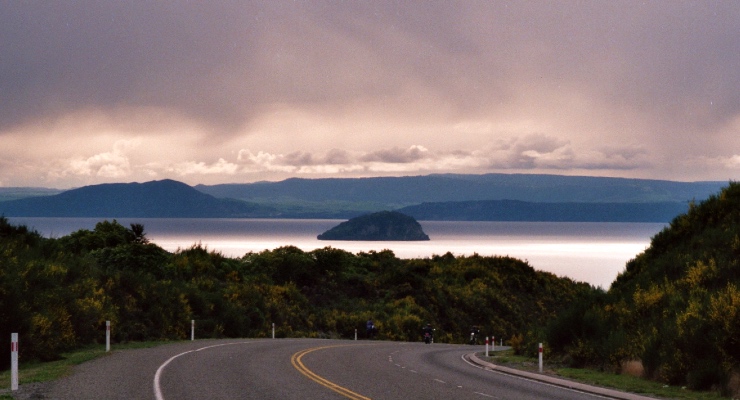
column 156, row 199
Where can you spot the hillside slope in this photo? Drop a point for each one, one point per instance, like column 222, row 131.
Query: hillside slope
column 675, row 308
column 14, row 193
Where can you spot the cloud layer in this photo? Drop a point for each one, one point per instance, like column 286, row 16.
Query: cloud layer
column 235, row 91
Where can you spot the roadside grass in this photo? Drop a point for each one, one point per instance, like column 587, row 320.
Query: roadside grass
column 626, row 383
column 634, row 384
column 30, row 372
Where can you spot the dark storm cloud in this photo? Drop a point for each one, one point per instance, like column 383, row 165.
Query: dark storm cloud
column 62, row 56
column 223, row 62
column 220, row 62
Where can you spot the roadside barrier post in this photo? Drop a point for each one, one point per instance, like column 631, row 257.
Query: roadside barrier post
column 107, row 336
column 355, row 333
column 540, row 351
column 493, row 343
column 13, row 361
column 273, row 330
column 192, row 329
column 486, row 346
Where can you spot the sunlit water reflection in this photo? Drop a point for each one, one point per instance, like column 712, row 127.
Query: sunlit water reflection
column 591, row 252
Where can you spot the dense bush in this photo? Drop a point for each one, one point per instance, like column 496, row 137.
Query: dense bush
column 676, row 307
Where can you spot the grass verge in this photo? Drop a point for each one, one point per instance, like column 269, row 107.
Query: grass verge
column 625, row 383
column 31, row 372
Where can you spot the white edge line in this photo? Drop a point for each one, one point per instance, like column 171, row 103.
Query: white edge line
column 157, row 388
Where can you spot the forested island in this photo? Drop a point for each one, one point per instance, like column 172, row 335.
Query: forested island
column 674, row 311
column 383, row 225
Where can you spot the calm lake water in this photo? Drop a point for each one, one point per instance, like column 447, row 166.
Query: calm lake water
column 588, row 252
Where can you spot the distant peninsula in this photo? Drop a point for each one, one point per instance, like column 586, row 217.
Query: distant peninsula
column 379, row 226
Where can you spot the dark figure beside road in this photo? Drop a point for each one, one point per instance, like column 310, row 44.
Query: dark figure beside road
column 370, row 329
column 474, row 333
column 428, row 333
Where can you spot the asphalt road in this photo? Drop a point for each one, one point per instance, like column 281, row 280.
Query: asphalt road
column 296, row 369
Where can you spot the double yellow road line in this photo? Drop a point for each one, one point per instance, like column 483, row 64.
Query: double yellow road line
column 297, row 362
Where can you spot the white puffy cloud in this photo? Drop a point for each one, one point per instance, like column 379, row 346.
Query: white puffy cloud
column 111, row 164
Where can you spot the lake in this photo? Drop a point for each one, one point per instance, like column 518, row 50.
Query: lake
column 593, row 252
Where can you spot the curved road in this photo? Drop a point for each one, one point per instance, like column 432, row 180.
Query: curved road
column 296, row 369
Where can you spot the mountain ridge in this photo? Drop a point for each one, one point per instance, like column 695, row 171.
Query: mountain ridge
column 165, row 199
column 490, row 197
column 408, row 190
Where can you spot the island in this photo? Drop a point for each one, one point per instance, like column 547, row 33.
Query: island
column 379, row 226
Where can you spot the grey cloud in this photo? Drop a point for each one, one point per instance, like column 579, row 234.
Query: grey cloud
column 624, row 152
column 396, row 155
column 529, row 151
column 337, row 157
column 302, row 158
column 538, row 142
column 298, row 158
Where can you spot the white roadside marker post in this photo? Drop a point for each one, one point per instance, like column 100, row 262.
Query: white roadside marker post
column 493, row 343
column 273, row 330
column 486, row 346
column 107, row 336
column 540, row 351
column 13, row 361
column 192, row 330
column 355, row 333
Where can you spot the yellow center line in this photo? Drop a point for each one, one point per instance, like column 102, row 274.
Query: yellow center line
column 297, row 362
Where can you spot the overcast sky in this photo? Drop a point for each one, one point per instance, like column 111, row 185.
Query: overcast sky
column 236, row 91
